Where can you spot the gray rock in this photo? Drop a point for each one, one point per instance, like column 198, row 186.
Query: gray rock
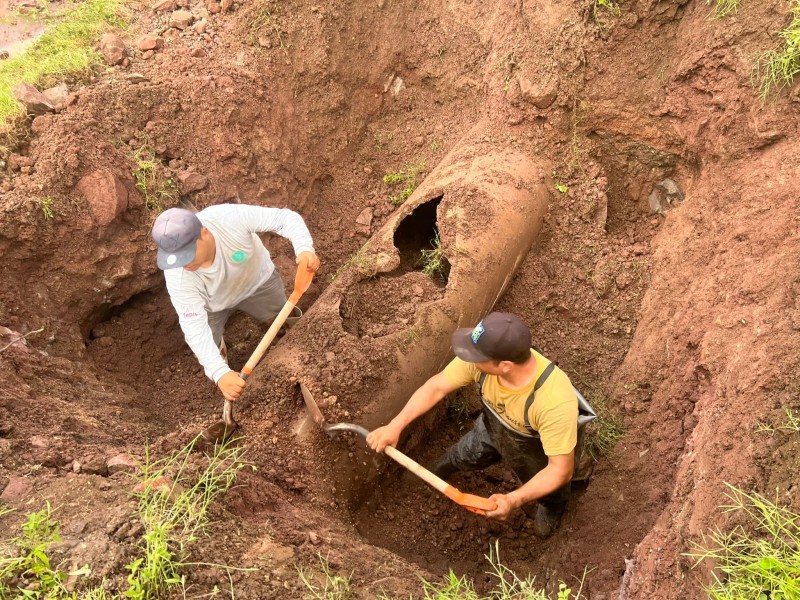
column 34, row 101
column 665, row 193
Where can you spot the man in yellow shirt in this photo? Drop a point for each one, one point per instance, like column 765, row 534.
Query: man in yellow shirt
column 529, row 418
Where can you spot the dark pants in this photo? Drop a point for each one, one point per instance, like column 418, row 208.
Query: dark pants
column 489, row 442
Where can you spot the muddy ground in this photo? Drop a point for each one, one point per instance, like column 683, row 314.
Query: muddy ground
column 684, row 321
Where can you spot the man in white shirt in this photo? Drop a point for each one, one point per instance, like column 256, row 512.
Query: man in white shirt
column 215, row 263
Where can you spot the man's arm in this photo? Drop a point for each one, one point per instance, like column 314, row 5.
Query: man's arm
column 426, row 397
column 557, row 473
column 283, row 221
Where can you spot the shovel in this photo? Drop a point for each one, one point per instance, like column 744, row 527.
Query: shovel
column 476, row 504
column 222, row 430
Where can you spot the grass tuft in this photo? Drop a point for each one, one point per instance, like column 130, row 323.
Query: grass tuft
column 723, row 8
column 64, row 50
column 605, row 431
column 25, row 568
column 602, row 9
column 159, row 192
column 173, row 508
column 46, row 204
column 509, row 585
column 333, row 587
column 407, row 177
column 758, row 562
column 433, row 261
column 362, row 262
column 776, row 69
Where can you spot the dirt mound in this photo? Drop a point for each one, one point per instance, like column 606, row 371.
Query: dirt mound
column 684, row 322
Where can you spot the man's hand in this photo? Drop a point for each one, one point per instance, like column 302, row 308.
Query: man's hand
column 506, row 503
column 388, row 435
column 313, row 260
column 231, row 385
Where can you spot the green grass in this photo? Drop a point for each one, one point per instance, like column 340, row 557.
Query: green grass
column 46, row 204
column 159, row 191
column 602, row 9
column 362, row 262
column 175, row 515
column 25, row 567
column 509, row 586
column 723, row 8
column 405, row 177
column 776, row 69
column 332, row 586
column 792, row 423
column 605, row 431
column 63, row 51
column 433, row 261
column 756, row 561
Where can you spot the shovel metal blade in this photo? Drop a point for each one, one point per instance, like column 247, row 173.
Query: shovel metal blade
column 218, row 433
column 311, row 405
column 336, row 429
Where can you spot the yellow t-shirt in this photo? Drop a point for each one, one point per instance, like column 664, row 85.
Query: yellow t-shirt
column 553, row 413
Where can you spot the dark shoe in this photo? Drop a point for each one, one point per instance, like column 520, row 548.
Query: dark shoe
column 546, row 522
column 443, row 469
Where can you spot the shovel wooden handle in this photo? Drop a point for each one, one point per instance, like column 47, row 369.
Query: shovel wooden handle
column 301, row 282
column 476, row 504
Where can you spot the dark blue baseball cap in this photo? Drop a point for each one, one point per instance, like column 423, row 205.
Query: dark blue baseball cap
column 499, row 336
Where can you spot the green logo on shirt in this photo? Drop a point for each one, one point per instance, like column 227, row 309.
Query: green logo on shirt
column 239, row 256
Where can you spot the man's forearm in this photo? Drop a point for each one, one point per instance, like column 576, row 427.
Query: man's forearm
column 545, row 482
column 425, row 398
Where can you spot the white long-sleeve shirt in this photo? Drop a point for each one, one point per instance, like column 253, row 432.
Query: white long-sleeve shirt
column 241, row 265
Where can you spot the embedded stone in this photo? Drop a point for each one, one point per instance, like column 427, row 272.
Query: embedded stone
column 181, row 19
column 35, row 102
column 16, row 490
column 121, row 463
column 191, row 181
column 106, row 195
column 57, row 95
column 149, row 42
column 541, row 93
column 112, row 48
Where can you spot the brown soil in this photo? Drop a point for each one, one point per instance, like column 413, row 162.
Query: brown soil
column 685, row 322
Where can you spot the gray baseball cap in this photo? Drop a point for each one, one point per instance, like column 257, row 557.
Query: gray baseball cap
column 176, row 232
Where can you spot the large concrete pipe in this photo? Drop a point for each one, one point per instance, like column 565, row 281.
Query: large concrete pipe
column 382, row 327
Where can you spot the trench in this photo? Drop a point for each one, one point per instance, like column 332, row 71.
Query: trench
column 139, row 341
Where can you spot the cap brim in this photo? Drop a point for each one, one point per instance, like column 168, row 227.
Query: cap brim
column 463, row 347
column 177, row 259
